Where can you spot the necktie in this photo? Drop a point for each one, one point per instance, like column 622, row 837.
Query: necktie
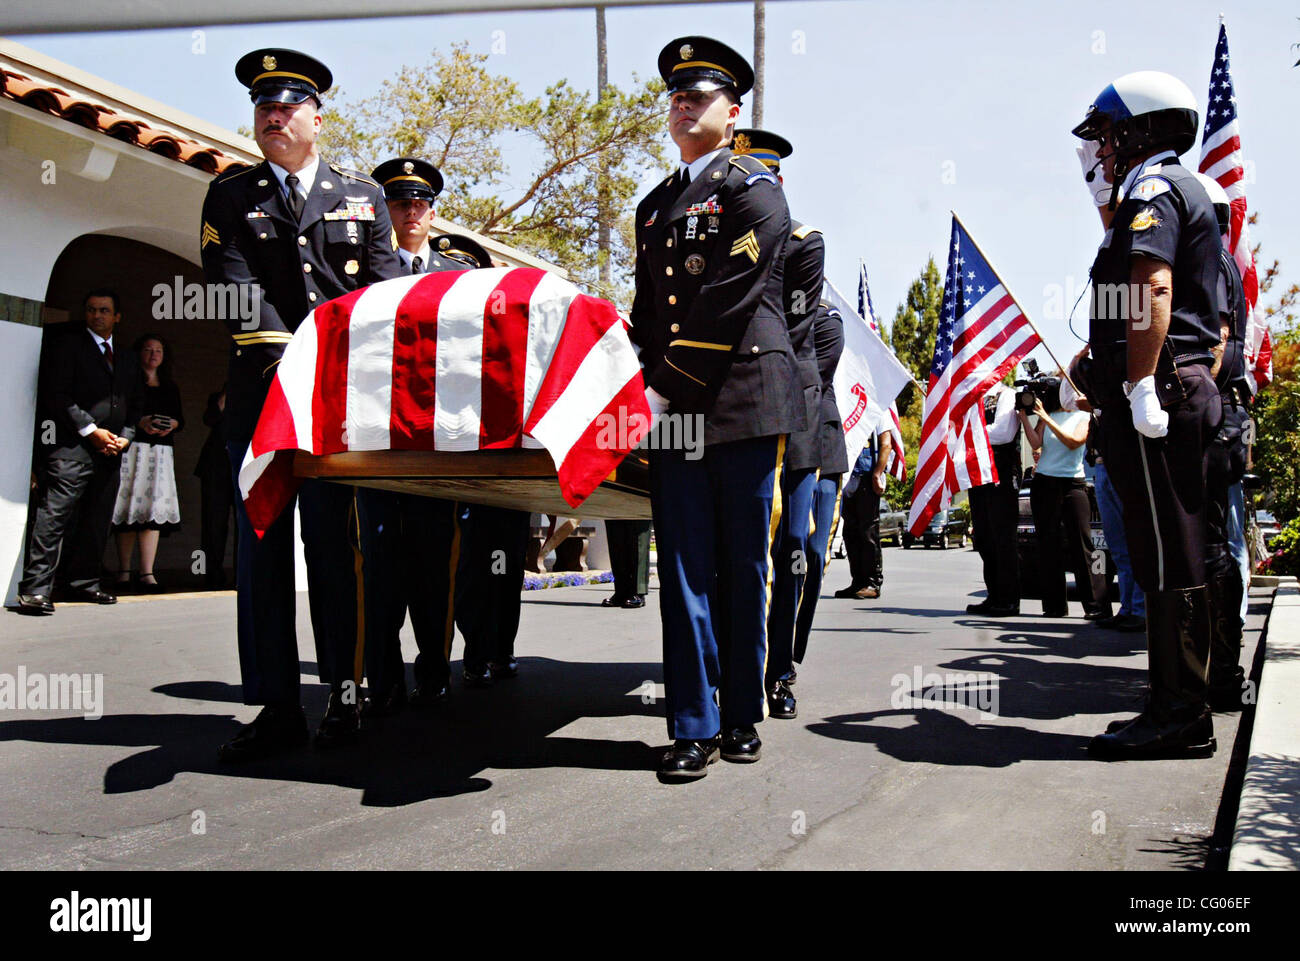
column 295, row 198
column 417, row 264
column 108, row 353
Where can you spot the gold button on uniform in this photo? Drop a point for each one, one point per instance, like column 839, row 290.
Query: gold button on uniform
column 672, row 298
column 261, row 236
column 306, row 268
column 675, row 328
column 302, row 241
column 754, row 349
column 668, row 271
column 312, row 297
column 670, row 241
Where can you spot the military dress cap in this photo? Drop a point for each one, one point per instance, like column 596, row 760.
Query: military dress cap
column 404, row 177
column 763, row 145
column 702, row 63
column 465, row 249
column 276, row 75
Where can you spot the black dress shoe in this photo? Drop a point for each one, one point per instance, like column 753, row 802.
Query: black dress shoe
column 687, row 760
column 613, row 601
column 781, row 703
column 276, row 729
column 1146, row 737
column 979, row 608
column 1128, row 623
column 385, row 704
column 850, row 591
column 1002, row 610
column 741, row 745
column 478, row 679
column 95, row 596
column 789, row 677
column 429, row 698
column 341, row 722
column 1063, row 612
column 509, row 667
column 37, row 605
column 635, row 601
column 1097, row 614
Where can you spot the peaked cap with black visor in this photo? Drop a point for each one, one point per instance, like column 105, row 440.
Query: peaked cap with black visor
column 702, row 63
column 766, row 147
column 277, row 75
column 405, row 178
column 1145, row 111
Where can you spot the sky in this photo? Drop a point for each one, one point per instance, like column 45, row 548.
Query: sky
column 898, row 111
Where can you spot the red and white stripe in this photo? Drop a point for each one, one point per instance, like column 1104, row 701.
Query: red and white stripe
column 955, row 452
column 454, row 361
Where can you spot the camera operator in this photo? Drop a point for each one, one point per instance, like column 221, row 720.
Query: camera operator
column 1059, row 491
column 995, row 509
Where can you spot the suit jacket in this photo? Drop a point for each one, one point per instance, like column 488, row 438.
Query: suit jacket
column 828, row 335
column 79, row 388
column 805, row 256
column 709, row 314
column 250, row 240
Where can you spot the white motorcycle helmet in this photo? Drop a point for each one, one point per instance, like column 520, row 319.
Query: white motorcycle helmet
column 1218, row 197
column 1145, row 111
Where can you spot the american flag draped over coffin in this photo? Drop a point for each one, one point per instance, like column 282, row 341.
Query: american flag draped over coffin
column 455, row 361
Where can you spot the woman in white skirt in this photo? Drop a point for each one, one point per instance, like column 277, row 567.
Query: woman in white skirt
column 147, row 505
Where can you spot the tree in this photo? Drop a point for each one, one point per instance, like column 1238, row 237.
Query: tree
column 578, row 155
column 911, row 335
column 1276, row 410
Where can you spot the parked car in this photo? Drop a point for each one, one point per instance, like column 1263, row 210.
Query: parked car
column 892, row 524
column 1027, row 544
column 950, row 528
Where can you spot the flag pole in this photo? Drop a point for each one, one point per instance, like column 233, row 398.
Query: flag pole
column 1065, row 371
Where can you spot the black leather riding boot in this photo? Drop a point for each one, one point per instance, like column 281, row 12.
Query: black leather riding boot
column 1226, row 677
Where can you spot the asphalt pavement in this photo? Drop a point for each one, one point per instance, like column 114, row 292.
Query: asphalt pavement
column 884, row 768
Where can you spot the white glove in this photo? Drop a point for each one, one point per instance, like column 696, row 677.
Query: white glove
column 658, row 406
column 1098, row 187
column 1149, row 418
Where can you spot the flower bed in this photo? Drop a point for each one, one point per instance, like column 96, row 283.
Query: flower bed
column 538, row 582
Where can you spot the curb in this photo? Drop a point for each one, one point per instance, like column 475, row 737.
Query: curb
column 1267, row 835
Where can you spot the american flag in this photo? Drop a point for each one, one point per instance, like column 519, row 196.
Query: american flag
column 897, row 466
column 1221, row 159
column 982, row 334
column 454, row 361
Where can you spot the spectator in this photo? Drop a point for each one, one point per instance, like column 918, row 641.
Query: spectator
column 92, row 398
column 1059, row 491
column 147, row 504
column 217, row 491
column 860, row 506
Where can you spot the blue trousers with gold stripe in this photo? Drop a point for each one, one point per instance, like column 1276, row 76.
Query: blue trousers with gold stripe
column 790, row 564
column 826, row 503
column 715, row 519
column 410, row 545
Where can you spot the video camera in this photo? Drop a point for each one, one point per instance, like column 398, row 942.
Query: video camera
column 1038, row 386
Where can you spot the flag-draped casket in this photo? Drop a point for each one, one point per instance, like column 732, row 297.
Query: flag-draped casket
column 446, row 364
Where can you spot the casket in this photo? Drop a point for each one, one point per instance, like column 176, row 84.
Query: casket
column 518, row 479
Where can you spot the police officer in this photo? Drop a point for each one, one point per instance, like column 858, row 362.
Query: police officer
column 1227, row 465
column 296, row 231
column 1154, row 325
column 409, row 542
column 995, row 509
column 709, row 318
column 828, row 339
column 805, row 256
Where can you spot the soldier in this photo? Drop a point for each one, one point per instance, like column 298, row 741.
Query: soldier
column 805, row 256
column 828, row 337
column 298, row 231
column 1154, row 324
column 709, row 318
column 410, row 543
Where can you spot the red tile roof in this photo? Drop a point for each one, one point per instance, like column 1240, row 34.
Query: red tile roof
column 120, row 126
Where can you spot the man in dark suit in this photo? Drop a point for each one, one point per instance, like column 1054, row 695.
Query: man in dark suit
column 710, row 321
column 93, row 398
column 298, row 231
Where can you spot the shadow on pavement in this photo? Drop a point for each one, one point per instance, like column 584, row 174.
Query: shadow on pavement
column 1040, row 690
column 394, row 761
column 942, row 737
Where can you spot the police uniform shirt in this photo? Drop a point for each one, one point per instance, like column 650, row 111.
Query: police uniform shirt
column 1167, row 216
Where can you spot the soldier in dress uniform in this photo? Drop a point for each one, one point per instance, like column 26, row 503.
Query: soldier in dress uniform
column 805, row 256
column 1154, row 325
column 709, row 317
column 828, row 338
column 291, row 232
column 410, row 543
